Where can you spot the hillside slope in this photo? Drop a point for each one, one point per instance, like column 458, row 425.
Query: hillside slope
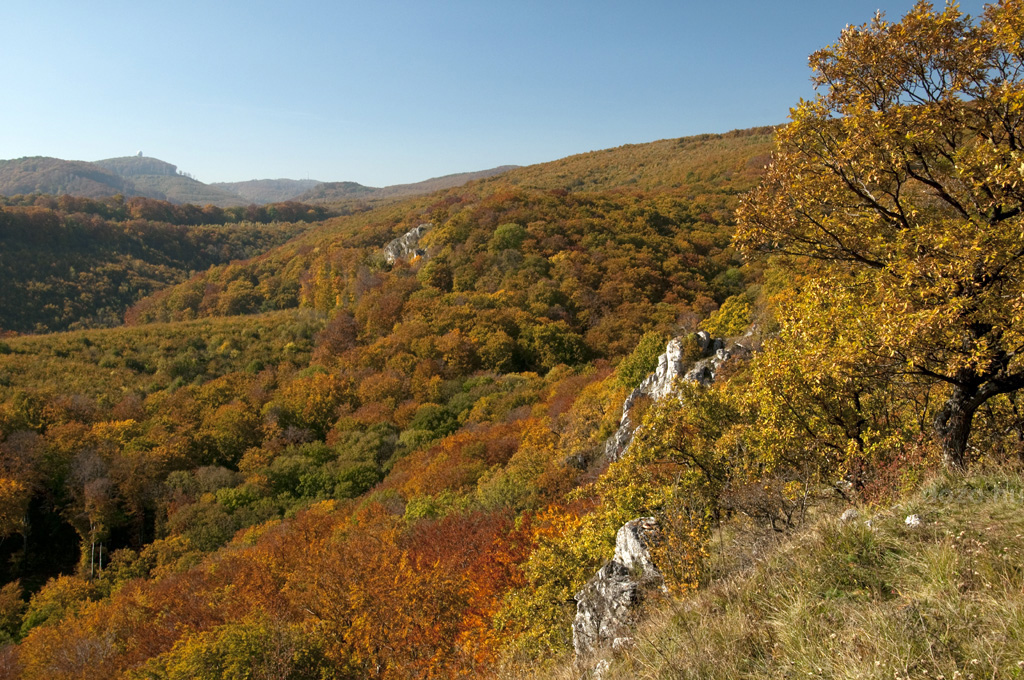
column 367, row 476
column 404, row 471
column 870, row 598
column 154, row 178
column 703, row 175
column 128, row 176
column 72, row 262
column 334, row 192
column 55, row 176
column 718, row 163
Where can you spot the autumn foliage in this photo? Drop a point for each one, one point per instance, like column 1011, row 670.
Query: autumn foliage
column 314, row 463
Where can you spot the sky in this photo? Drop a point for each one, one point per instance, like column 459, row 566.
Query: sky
column 386, row 92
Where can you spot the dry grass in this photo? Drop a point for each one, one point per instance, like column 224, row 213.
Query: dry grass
column 852, row 600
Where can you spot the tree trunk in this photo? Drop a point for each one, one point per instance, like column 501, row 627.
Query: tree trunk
column 953, row 427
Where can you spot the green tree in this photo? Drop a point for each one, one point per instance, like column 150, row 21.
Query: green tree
column 904, row 180
column 507, row 237
column 632, row 370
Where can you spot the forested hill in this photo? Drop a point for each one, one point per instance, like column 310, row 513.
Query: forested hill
column 139, row 166
column 710, row 163
column 128, row 176
column 77, row 263
column 73, row 263
column 154, row 178
column 692, row 181
column 55, row 176
column 261, row 191
column 335, row 192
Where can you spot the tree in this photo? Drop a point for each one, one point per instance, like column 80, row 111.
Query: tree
column 904, row 181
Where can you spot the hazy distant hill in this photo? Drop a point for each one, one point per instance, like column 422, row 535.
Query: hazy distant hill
column 138, row 166
column 40, row 174
column 337, row 191
column 343, row 191
column 129, row 176
column 158, row 179
column 154, row 178
column 262, row 191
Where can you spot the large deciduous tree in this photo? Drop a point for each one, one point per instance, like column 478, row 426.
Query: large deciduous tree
column 903, row 179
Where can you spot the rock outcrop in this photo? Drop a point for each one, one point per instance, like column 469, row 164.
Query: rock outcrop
column 404, row 247
column 671, row 366
column 605, row 606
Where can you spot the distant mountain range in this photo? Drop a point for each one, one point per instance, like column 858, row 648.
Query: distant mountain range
column 154, row 178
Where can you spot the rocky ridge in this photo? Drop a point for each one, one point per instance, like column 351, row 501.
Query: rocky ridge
column 606, row 605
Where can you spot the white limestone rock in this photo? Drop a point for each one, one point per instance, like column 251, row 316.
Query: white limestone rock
column 405, row 245
column 605, row 605
column 632, row 547
column 661, row 383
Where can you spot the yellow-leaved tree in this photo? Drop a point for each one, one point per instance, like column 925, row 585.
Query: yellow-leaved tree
column 903, row 181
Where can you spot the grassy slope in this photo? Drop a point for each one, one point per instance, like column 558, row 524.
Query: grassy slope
column 852, row 600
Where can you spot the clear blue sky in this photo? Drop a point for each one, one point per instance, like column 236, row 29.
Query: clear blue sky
column 383, row 92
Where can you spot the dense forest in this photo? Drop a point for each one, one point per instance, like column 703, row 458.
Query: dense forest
column 375, row 444
column 437, row 393
column 71, row 262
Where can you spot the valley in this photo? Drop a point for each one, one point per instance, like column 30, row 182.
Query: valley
column 736, row 405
